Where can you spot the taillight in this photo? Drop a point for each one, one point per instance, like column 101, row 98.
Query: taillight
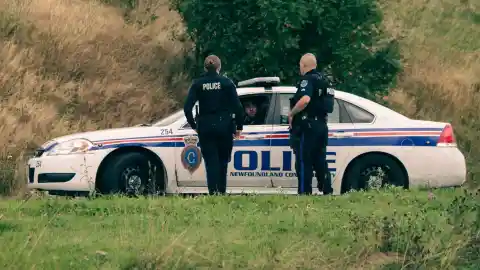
column 447, row 138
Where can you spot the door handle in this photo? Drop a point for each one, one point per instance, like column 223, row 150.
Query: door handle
column 343, row 134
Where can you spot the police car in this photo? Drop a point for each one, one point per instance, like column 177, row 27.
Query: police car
column 369, row 146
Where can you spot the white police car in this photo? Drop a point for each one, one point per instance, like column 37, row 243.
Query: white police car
column 369, row 144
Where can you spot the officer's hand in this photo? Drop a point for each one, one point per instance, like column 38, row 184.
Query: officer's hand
column 237, row 134
column 290, row 120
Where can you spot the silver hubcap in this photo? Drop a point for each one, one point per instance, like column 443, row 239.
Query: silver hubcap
column 375, row 177
column 133, row 180
column 134, row 185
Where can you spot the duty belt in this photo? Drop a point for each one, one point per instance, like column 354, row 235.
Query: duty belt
column 317, row 118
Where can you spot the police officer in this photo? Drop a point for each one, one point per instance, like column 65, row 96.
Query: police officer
column 220, row 118
column 308, row 126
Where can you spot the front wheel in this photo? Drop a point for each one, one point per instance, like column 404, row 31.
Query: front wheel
column 374, row 171
column 132, row 174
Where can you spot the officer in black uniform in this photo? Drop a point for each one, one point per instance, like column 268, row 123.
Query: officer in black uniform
column 220, row 118
column 310, row 106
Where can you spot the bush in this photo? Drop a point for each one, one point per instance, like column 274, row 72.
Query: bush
column 270, row 36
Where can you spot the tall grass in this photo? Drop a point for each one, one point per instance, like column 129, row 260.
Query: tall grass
column 386, row 229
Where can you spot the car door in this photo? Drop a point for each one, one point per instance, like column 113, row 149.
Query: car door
column 250, row 166
column 189, row 166
column 246, row 168
column 339, row 125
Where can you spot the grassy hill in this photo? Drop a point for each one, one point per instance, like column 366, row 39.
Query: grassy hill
column 441, row 49
column 68, row 66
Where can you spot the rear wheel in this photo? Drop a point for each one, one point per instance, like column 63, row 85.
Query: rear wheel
column 132, row 174
column 374, row 171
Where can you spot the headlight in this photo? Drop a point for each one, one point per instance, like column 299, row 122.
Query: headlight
column 76, row 146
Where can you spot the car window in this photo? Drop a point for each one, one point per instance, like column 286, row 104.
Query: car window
column 357, row 114
column 256, row 110
column 337, row 116
column 186, row 126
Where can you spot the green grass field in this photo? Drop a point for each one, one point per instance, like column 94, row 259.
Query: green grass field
column 375, row 230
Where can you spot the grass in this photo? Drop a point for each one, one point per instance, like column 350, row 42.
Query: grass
column 390, row 229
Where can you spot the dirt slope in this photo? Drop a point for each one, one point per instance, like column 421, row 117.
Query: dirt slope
column 76, row 65
column 441, row 81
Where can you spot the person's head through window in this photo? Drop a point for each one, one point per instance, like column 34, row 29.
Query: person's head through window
column 250, row 109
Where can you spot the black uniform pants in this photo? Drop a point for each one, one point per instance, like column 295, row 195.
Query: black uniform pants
column 311, row 155
column 216, row 143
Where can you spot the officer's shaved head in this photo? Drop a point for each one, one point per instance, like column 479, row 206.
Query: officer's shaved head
column 307, row 63
column 212, row 63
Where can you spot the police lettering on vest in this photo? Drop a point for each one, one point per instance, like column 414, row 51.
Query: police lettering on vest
column 326, row 94
column 328, row 99
column 211, row 86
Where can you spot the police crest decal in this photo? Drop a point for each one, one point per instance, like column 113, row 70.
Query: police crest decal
column 191, row 154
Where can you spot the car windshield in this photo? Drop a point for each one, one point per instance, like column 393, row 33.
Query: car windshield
column 169, row 119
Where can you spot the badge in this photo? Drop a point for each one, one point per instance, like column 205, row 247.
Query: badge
column 303, row 83
column 191, row 154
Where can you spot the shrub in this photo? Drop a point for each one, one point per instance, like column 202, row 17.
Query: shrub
column 267, row 38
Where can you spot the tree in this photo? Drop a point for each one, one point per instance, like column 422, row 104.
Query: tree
column 267, row 38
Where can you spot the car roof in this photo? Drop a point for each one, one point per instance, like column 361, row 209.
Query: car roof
column 380, row 111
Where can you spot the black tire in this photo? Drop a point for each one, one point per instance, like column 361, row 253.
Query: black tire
column 358, row 175
column 129, row 174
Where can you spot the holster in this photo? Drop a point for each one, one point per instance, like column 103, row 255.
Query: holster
column 295, row 135
column 300, row 124
column 233, row 127
column 294, row 140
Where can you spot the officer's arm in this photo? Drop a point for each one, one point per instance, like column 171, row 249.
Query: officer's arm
column 239, row 117
column 305, row 93
column 189, row 103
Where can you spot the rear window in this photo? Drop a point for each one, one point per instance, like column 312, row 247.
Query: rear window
column 357, row 114
column 169, row 119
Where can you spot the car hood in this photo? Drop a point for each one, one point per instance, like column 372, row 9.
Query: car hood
column 108, row 134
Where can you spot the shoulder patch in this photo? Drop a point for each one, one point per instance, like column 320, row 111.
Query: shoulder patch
column 303, row 83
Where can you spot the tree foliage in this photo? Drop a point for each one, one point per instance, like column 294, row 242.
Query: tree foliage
column 267, row 38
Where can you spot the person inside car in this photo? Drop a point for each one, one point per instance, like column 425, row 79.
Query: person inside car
column 252, row 116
